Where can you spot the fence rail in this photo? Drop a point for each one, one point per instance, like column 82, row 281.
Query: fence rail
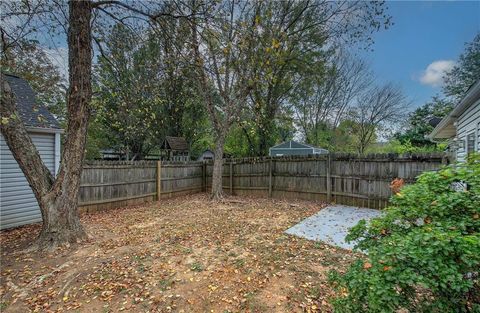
column 341, row 178
column 110, row 184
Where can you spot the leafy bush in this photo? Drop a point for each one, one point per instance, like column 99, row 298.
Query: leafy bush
column 423, row 254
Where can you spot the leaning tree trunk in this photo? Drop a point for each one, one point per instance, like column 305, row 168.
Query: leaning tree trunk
column 61, row 223
column 58, row 198
column 217, row 175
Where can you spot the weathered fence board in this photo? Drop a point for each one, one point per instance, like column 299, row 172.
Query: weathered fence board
column 340, row 178
column 110, row 184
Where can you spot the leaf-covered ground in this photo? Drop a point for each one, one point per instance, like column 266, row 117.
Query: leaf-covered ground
column 181, row 255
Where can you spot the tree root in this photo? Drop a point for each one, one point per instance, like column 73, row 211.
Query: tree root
column 49, row 241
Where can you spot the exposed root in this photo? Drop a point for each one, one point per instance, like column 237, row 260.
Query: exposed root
column 49, row 241
column 217, row 196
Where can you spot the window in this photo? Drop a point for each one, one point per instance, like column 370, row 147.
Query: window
column 470, row 143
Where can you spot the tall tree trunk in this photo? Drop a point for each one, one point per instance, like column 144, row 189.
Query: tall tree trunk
column 58, row 199
column 61, row 220
column 217, row 175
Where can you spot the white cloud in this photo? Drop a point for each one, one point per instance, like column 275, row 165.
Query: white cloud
column 435, row 72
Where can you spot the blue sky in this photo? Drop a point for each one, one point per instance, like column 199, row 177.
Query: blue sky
column 423, row 33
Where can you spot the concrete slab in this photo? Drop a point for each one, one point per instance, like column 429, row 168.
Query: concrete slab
column 331, row 224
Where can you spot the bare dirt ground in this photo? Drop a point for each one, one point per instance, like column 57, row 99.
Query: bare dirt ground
column 180, row 255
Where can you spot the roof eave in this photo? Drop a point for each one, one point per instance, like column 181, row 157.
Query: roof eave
column 440, row 131
column 45, row 130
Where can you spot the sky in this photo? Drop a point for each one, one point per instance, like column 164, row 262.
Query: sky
column 425, row 41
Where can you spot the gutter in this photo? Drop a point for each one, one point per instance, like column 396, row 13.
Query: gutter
column 45, row 130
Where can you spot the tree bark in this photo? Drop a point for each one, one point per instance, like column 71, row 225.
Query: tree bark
column 217, row 175
column 58, row 199
column 61, row 222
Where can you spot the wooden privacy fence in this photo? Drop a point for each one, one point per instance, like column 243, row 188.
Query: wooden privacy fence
column 340, row 178
column 110, row 184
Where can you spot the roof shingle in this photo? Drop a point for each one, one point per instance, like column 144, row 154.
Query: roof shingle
column 175, row 143
column 32, row 113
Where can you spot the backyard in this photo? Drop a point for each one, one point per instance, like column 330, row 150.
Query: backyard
column 181, row 255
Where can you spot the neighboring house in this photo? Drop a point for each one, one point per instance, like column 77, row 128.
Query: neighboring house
column 176, row 149
column 462, row 126
column 18, row 205
column 295, row 148
column 206, row 155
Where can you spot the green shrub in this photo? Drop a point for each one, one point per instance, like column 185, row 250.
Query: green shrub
column 423, row 254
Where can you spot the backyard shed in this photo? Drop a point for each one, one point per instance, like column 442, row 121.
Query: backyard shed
column 176, row 149
column 206, row 155
column 295, row 148
column 18, row 205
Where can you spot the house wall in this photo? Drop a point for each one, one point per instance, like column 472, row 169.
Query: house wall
column 18, row 205
column 468, row 123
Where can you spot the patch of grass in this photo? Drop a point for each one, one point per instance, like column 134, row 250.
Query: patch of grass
column 315, row 292
column 240, row 263
column 240, row 242
column 3, row 306
column 318, row 245
column 165, row 284
column 184, row 250
column 197, row 267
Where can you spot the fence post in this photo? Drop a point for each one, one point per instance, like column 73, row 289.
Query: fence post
column 270, row 170
column 329, row 180
column 231, row 178
column 445, row 159
column 204, row 187
column 159, row 179
column 204, row 176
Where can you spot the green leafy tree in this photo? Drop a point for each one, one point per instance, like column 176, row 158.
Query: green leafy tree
column 423, row 253
column 418, row 124
column 144, row 93
column 127, row 102
column 465, row 73
column 291, row 41
column 28, row 60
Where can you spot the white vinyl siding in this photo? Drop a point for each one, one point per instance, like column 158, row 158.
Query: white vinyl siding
column 18, row 205
column 468, row 123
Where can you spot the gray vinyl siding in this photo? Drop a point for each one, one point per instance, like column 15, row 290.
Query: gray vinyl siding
column 468, row 123
column 287, row 151
column 295, row 148
column 18, row 205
